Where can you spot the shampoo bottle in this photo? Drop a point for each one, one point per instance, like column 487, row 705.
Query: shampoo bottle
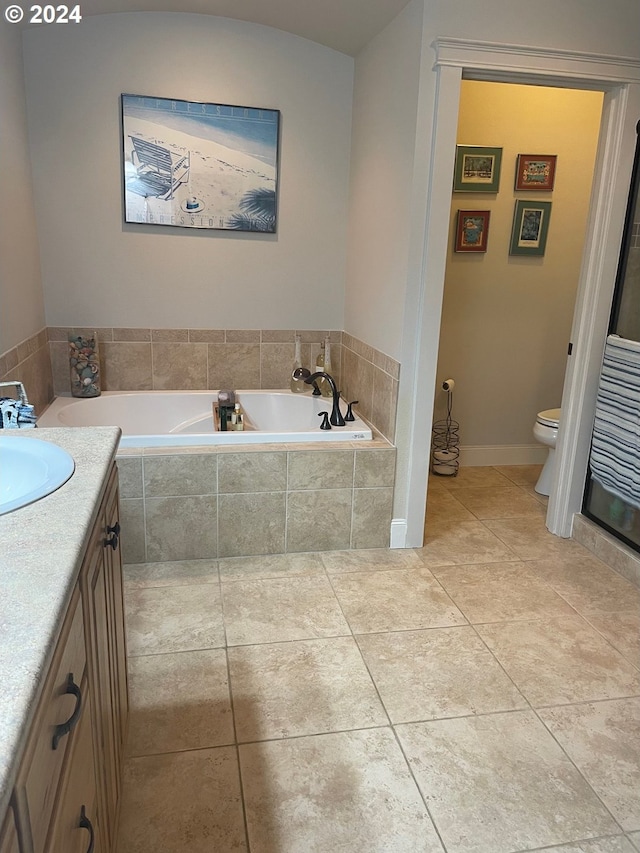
column 298, row 386
column 325, row 388
column 237, row 418
column 321, row 383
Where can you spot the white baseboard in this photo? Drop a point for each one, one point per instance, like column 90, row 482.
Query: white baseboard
column 503, row 454
column 398, row 537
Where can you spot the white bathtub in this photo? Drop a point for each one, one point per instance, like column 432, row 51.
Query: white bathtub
column 174, row 418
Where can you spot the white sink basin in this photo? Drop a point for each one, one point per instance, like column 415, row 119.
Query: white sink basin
column 30, row 469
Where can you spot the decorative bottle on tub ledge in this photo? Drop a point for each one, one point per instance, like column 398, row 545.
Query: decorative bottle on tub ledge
column 84, row 365
column 325, row 388
column 298, row 386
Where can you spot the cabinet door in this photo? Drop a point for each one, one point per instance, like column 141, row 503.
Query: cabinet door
column 76, row 828
column 101, row 582
column 9, row 836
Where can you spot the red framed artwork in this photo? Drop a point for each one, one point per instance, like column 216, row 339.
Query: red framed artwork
column 535, row 171
column 472, row 230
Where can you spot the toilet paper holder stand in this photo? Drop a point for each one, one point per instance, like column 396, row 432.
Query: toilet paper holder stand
column 445, row 444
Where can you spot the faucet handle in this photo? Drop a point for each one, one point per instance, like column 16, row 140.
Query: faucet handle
column 325, row 423
column 350, row 416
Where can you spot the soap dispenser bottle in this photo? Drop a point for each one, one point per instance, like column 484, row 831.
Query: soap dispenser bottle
column 325, row 388
column 298, row 386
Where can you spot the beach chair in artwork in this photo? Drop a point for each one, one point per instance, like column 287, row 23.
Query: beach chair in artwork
column 159, row 171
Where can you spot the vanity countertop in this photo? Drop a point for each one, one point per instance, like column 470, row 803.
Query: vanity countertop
column 42, row 549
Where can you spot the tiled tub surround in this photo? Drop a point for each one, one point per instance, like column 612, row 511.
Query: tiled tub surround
column 200, row 359
column 607, row 548
column 202, row 503
column 30, row 363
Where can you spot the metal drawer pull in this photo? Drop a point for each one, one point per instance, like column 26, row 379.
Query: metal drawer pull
column 113, row 539
column 64, row 728
column 85, row 823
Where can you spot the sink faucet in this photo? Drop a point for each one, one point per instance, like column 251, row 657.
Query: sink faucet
column 336, row 415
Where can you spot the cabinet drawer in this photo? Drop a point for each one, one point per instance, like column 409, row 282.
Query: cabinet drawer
column 60, row 704
column 8, row 835
column 75, row 823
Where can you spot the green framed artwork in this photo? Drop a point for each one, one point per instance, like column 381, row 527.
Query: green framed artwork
column 530, row 228
column 477, row 169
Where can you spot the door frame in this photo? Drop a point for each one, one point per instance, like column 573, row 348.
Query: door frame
column 619, row 79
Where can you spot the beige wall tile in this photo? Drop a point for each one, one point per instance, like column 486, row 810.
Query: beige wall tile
column 182, row 528
column 132, row 334
column 36, row 376
column 170, row 335
column 243, row 336
column 130, row 477
column 276, row 364
column 234, row 365
column 179, row 366
column 252, row 472
column 375, row 468
column 381, row 413
column 59, row 353
column 320, row 469
column 251, row 524
column 180, row 475
column 319, row 520
column 132, row 538
column 371, row 518
column 207, row 336
column 275, row 336
column 126, row 367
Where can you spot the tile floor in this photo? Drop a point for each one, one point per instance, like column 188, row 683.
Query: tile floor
column 478, row 695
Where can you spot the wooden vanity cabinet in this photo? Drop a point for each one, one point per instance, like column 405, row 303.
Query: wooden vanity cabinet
column 9, row 835
column 67, row 791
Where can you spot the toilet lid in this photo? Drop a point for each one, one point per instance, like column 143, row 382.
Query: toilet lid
column 549, row 417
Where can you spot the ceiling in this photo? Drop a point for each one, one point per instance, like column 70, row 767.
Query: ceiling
column 344, row 25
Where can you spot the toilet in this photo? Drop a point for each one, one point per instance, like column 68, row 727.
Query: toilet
column 545, row 430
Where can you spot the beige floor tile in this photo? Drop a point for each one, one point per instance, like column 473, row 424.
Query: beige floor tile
column 463, row 542
column 560, row 660
column 173, row 619
column 603, row 739
column 503, row 502
column 184, row 801
column 444, row 508
column 622, row 630
column 396, row 600
column 181, row 573
column 480, row 476
column 179, row 701
column 346, row 792
column 499, row 783
column 280, row 609
column 442, row 672
column 302, row 688
column 613, row 844
column 521, row 475
column 499, row 592
column 370, row 560
column 270, row 566
column 529, row 538
column 588, row 584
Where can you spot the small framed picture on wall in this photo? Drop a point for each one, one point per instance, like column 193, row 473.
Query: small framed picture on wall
column 477, row 169
column 472, row 230
column 535, row 172
column 530, row 227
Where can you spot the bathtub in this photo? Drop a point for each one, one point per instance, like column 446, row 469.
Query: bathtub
column 185, row 418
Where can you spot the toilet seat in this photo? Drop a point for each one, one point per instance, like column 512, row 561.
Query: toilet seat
column 549, row 418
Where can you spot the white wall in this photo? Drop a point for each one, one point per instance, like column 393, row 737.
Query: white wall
column 21, row 300
column 97, row 271
column 384, row 127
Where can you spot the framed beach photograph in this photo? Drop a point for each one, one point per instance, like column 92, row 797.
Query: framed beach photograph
column 199, row 165
column 535, row 172
column 530, row 227
column 472, row 230
column 477, row 169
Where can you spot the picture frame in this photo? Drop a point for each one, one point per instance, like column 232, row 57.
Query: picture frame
column 199, row 165
column 472, row 230
column 535, row 172
column 530, row 227
column 477, row 169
